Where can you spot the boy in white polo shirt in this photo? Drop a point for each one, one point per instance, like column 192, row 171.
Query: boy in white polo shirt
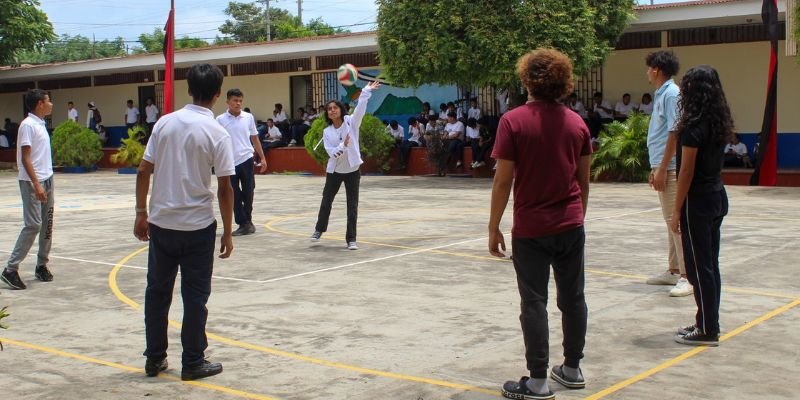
column 36, row 188
column 184, row 147
column 242, row 127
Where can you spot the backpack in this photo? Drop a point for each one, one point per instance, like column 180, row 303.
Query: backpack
column 97, row 118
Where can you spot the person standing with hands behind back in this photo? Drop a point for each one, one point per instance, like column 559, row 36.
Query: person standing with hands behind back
column 341, row 142
column 181, row 228
column 701, row 202
column 544, row 149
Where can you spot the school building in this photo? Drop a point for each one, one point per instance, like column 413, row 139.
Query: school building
column 727, row 34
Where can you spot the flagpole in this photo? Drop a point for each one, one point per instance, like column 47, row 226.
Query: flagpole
column 169, row 61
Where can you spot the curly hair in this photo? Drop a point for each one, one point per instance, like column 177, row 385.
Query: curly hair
column 666, row 62
column 703, row 102
column 546, row 73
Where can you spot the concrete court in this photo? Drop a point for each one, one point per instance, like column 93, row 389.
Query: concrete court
column 419, row 312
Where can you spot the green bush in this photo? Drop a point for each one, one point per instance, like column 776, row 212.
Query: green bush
column 131, row 150
column 3, row 314
column 623, row 153
column 375, row 143
column 75, row 146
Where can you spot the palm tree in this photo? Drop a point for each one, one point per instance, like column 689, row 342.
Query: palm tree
column 623, row 150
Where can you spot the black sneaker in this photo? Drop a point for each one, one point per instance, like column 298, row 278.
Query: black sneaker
column 519, row 390
column 240, row 231
column 685, row 330
column 249, row 229
column 43, row 274
column 203, row 370
column 698, row 338
column 557, row 373
column 154, row 365
column 12, row 280
column 316, row 236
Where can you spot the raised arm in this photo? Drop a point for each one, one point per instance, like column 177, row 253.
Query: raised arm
column 361, row 107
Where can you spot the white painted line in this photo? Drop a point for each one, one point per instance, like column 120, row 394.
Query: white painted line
column 137, row 267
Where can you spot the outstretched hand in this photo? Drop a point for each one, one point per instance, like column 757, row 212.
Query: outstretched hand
column 374, row 85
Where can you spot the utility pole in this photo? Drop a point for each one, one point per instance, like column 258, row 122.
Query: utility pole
column 266, row 18
column 300, row 11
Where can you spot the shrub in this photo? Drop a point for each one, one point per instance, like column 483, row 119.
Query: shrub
column 623, row 150
column 3, row 314
column 75, row 146
column 131, row 150
column 375, row 143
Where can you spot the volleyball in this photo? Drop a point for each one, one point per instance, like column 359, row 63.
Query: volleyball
column 348, row 75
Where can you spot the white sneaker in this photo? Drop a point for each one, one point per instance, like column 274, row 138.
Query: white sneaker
column 352, row 246
column 458, row 164
column 664, row 278
column 480, row 164
column 682, row 288
column 472, row 166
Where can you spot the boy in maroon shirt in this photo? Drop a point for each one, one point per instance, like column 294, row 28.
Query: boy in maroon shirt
column 544, row 149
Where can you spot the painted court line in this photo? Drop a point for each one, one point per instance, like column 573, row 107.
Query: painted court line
column 697, row 350
column 60, row 353
column 112, row 283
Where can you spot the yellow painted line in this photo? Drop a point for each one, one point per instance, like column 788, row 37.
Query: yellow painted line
column 652, row 371
column 218, row 388
column 112, row 281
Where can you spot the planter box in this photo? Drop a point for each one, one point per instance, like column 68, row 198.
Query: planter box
column 127, row 170
column 78, row 170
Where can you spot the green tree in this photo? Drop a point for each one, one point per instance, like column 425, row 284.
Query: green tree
column 466, row 42
column 73, row 48
column 154, row 42
column 248, row 24
column 23, row 26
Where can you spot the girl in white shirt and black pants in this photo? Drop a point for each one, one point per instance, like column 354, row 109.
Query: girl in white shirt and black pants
column 341, row 142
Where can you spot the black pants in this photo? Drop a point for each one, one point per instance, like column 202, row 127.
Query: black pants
column 532, row 261
column 193, row 251
column 244, row 184
column 455, row 149
column 701, row 219
column 332, row 184
column 596, row 125
column 405, row 150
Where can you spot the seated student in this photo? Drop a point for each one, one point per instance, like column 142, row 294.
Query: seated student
column 473, row 138
column 299, row 127
column 647, row 104
column 485, row 144
column 427, row 113
column 600, row 114
column 414, row 140
column 272, row 137
column 474, row 111
column 576, row 105
column 736, row 154
column 443, row 112
column 103, row 136
column 397, row 132
column 280, row 118
column 451, row 107
column 4, row 142
column 624, row 108
column 454, row 139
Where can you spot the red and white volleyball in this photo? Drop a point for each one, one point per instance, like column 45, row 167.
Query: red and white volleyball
column 348, row 75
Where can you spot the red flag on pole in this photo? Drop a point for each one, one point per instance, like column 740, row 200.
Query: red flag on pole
column 169, row 62
column 766, row 172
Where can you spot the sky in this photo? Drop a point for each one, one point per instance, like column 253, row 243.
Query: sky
column 108, row 19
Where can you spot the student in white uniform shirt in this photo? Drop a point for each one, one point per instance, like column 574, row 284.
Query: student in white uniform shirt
column 181, row 228
column 241, row 126
column 341, row 140
column 454, row 139
column 72, row 112
column 151, row 115
column 36, row 189
column 397, row 132
column 647, row 104
column 624, row 108
column 474, row 111
column 131, row 115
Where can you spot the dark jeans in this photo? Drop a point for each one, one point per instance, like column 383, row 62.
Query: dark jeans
column 332, row 184
column 298, row 132
column 596, row 125
column 271, row 145
column 405, row 150
column 243, row 195
column 701, row 219
column 532, row 261
column 193, row 251
column 455, row 149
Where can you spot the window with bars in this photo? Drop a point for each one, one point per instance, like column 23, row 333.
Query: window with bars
column 16, row 87
column 67, row 83
column 639, row 40
column 180, row 73
column 120, row 79
column 358, row 59
column 722, row 34
column 325, row 87
column 587, row 84
column 271, row 67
